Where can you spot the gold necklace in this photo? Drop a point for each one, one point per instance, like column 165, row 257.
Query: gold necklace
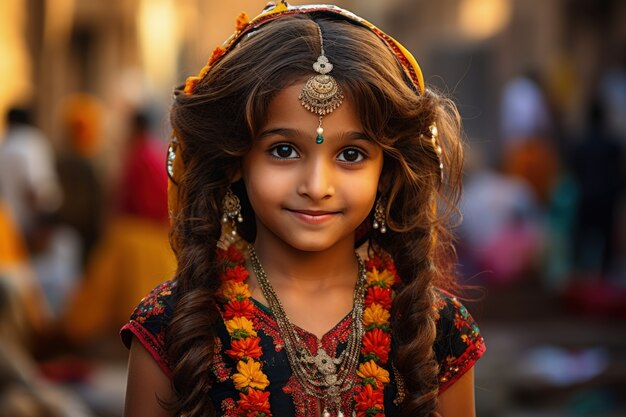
column 321, row 375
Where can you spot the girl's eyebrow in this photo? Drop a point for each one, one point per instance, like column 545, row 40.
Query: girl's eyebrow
column 295, row 133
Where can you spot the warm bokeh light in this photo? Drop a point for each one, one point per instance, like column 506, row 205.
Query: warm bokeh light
column 481, row 19
column 158, row 30
column 15, row 63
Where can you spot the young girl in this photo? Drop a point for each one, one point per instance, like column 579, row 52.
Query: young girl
column 313, row 178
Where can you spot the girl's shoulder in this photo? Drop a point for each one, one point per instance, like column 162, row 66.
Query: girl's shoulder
column 459, row 343
column 149, row 321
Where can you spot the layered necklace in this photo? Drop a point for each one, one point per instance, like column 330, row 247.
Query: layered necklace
column 321, row 375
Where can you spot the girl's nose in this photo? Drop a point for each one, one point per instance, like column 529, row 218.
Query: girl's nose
column 317, row 180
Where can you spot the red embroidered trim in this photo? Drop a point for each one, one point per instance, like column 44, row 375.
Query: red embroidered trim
column 456, row 369
column 151, row 343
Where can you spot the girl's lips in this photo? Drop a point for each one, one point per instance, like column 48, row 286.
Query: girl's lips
column 313, row 216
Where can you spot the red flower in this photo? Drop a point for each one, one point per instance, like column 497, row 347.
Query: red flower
column 378, row 343
column 378, row 295
column 374, row 262
column 236, row 308
column 369, row 401
column 238, row 273
column 254, row 402
column 245, row 348
column 230, row 255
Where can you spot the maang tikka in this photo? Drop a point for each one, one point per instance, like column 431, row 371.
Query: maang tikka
column 321, row 93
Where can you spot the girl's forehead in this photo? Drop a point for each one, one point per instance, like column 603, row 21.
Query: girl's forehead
column 285, row 110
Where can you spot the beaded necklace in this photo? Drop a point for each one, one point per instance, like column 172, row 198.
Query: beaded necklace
column 249, row 379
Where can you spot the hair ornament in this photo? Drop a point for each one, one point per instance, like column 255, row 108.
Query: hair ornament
column 321, row 94
column 434, row 135
column 271, row 12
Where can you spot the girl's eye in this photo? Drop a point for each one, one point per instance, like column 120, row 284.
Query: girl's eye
column 284, row 152
column 351, row 155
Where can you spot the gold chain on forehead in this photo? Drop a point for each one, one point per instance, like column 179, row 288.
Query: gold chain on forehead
column 321, row 94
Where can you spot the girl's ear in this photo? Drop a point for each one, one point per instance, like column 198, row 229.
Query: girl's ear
column 235, row 174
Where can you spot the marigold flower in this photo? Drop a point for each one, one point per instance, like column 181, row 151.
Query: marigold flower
column 376, row 316
column 237, row 273
column 239, row 328
column 242, row 20
column 378, row 295
column 378, row 343
column 369, row 401
column 374, row 262
column 236, row 308
column 370, row 372
column 245, row 348
column 254, row 402
column 230, row 256
column 237, row 290
column 249, row 374
column 217, row 53
column 382, row 278
column 190, row 84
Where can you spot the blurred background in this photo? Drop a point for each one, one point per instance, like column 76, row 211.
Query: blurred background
column 541, row 86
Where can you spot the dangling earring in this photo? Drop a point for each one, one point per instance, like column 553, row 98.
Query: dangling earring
column 379, row 217
column 231, row 210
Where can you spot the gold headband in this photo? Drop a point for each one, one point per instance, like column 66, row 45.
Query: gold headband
column 272, row 12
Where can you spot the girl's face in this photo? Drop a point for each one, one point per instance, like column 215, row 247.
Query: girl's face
column 310, row 196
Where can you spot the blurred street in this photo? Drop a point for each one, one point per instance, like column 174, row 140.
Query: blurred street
column 541, row 88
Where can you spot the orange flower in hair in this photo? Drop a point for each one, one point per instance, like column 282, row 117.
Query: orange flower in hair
column 245, row 348
column 242, row 20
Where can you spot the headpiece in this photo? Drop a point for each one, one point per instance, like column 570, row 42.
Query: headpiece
column 321, row 94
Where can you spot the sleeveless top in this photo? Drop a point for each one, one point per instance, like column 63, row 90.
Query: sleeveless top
column 457, row 347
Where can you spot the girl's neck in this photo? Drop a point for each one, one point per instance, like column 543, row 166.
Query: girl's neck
column 320, row 269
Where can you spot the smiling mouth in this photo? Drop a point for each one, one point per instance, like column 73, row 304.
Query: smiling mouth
column 313, row 216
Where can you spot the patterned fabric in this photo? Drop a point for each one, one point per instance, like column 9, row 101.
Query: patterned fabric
column 458, row 346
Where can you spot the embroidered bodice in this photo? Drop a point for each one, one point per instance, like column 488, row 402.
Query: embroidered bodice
column 457, row 347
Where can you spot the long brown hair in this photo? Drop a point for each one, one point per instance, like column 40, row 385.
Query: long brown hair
column 216, row 126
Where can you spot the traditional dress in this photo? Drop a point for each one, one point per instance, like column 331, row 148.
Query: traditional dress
column 457, row 347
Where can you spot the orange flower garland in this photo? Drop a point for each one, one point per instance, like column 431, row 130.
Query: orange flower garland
column 369, row 400
column 237, row 311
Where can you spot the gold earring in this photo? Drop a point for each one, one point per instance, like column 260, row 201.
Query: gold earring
column 379, row 217
column 231, row 210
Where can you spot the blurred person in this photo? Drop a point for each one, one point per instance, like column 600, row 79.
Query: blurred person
column 28, row 181
column 16, row 272
column 501, row 232
column 598, row 166
column 133, row 254
column 24, row 392
column 84, row 202
column 526, row 129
